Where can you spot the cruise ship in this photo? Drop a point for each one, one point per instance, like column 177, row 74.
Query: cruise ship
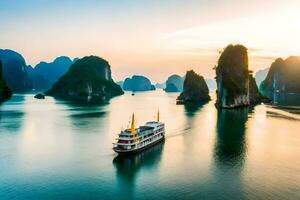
column 133, row 140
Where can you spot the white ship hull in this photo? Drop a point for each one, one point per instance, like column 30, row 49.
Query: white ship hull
column 135, row 140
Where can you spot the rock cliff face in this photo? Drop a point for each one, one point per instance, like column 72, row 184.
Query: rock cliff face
column 44, row 74
column 194, row 89
column 232, row 77
column 5, row 92
column 283, row 78
column 255, row 97
column 174, row 84
column 88, row 79
column 138, row 83
column 235, row 85
column 14, row 71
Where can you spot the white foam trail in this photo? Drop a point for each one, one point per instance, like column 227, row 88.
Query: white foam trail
column 284, row 113
column 177, row 133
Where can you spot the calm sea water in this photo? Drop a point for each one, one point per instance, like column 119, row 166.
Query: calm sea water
column 51, row 149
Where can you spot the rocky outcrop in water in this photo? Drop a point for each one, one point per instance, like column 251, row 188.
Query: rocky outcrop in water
column 44, row 74
column 174, row 83
column 5, row 92
column 234, row 81
column 39, row 96
column 137, row 83
column 14, row 71
column 88, row 79
column 283, row 78
column 232, row 77
column 194, row 89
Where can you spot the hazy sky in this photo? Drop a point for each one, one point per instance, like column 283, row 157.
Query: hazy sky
column 153, row 38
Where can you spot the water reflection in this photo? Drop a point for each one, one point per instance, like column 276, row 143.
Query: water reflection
column 286, row 99
column 84, row 114
column 230, row 151
column 11, row 114
column 191, row 108
column 128, row 167
column 230, row 144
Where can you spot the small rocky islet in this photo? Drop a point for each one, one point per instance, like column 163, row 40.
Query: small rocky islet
column 195, row 89
column 137, row 83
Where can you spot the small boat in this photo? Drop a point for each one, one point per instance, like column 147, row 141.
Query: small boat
column 133, row 140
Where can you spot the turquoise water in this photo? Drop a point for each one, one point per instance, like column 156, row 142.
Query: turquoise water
column 51, row 149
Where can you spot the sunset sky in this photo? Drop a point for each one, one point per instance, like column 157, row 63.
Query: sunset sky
column 152, row 38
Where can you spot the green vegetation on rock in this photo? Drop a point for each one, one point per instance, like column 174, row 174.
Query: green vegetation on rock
column 194, row 89
column 232, row 77
column 88, row 78
column 236, row 86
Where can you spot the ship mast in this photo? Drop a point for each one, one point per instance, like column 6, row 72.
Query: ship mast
column 132, row 126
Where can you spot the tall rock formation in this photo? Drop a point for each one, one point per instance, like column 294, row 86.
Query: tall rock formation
column 232, row 77
column 174, row 83
column 5, row 92
column 194, row 89
column 235, row 85
column 283, row 78
column 88, row 79
column 137, row 83
column 14, row 71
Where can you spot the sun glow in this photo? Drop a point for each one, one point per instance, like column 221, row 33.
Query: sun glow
column 266, row 36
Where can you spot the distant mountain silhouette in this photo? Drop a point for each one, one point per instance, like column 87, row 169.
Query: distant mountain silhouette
column 160, row 85
column 44, row 74
column 174, row 83
column 138, row 83
column 260, row 75
column 211, row 84
column 14, row 71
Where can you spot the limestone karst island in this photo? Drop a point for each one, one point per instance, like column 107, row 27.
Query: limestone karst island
column 130, row 100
